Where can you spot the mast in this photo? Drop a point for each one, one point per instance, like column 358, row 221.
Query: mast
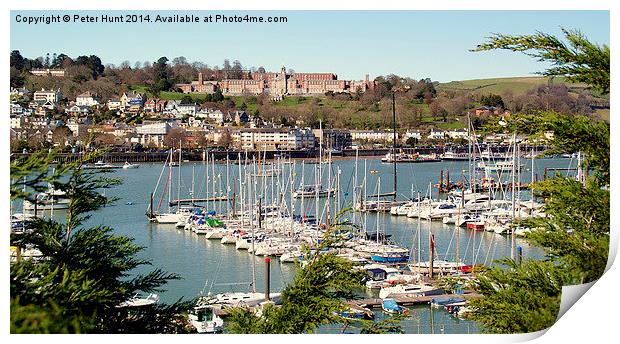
column 378, row 214
column 512, row 189
column 394, row 141
column 532, row 181
column 179, row 179
column 193, row 167
column 419, row 233
column 170, row 181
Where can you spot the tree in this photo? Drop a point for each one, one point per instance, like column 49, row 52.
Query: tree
column 225, row 140
column 161, row 80
column 61, row 134
column 579, row 61
column 492, row 100
column 217, row 96
column 187, row 100
column 87, row 271
column 16, row 60
column 411, row 141
column 575, row 232
column 523, row 298
column 174, row 137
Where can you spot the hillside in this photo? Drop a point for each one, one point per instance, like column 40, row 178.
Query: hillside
column 517, row 85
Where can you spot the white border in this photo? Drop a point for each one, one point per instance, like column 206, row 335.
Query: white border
column 591, row 319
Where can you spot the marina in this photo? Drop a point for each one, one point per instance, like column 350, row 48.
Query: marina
column 210, row 266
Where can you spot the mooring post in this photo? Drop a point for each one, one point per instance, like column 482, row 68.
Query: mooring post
column 267, row 279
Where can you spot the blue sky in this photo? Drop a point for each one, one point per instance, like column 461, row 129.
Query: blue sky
column 418, row 44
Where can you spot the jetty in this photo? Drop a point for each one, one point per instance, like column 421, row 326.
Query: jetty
column 361, row 304
column 200, row 200
column 411, row 300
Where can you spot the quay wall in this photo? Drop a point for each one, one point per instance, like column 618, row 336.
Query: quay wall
column 200, row 155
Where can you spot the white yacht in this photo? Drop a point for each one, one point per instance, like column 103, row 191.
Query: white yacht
column 128, row 165
column 410, row 289
column 204, row 319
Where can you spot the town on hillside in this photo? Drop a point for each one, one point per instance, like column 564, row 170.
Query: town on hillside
column 78, row 104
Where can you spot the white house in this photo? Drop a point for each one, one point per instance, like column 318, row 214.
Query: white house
column 373, row 135
column 78, row 110
column 16, row 122
column 412, row 134
column 48, row 96
column 274, row 139
column 457, row 134
column 86, row 99
column 437, row 134
column 16, row 109
column 19, row 91
column 216, row 116
column 153, row 133
column 188, row 109
column 114, row 104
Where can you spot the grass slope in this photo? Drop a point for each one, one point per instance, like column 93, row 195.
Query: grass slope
column 517, row 85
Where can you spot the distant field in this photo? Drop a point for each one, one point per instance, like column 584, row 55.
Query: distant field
column 517, row 85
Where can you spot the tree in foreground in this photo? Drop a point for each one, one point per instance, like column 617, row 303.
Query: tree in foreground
column 85, row 273
column 578, row 59
column 525, row 297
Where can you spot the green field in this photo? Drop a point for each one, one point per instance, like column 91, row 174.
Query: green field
column 517, row 85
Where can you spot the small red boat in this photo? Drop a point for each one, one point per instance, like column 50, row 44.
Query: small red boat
column 477, row 226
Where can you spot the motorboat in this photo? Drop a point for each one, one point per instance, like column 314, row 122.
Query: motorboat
column 49, row 200
column 441, row 210
column 140, row 302
column 204, row 319
column 128, row 165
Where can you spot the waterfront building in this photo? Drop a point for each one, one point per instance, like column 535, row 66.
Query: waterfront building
column 373, row 135
column 274, row 138
column 153, row 133
column 457, row 134
column 334, row 138
column 412, row 134
column 436, row 134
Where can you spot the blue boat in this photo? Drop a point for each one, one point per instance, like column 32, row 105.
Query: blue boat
column 391, row 306
column 390, row 258
column 441, row 302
